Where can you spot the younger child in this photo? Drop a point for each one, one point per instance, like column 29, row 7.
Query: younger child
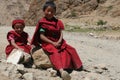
column 18, row 40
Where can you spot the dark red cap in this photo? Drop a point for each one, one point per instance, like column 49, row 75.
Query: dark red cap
column 18, row 21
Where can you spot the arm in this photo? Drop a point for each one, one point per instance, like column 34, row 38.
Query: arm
column 56, row 44
column 29, row 40
column 45, row 39
column 61, row 37
column 10, row 38
column 61, row 28
column 15, row 45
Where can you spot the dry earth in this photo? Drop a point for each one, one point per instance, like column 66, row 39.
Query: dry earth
column 92, row 51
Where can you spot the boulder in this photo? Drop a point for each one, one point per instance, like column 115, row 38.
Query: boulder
column 41, row 58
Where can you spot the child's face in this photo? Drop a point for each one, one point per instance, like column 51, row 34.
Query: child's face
column 18, row 27
column 49, row 12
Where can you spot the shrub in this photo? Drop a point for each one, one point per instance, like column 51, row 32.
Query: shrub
column 110, row 7
column 73, row 13
column 101, row 22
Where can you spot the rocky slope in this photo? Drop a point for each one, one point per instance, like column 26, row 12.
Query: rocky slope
column 11, row 9
column 76, row 9
column 31, row 10
column 65, row 9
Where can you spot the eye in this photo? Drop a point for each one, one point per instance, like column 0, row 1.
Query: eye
column 19, row 27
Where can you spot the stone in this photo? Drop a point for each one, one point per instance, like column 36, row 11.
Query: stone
column 4, row 77
column 28, row 76
column 41, row 58
column 53, row 73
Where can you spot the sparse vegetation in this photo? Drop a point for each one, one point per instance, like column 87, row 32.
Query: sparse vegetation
column 110, row 7
column 73, row 14
column 101, row 22
column 98, row 30
column 84, row 30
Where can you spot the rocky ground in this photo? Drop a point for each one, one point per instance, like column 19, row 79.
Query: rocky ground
column 100, row 57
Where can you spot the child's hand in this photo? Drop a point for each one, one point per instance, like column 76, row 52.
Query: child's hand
column 21, row 49
column 32, row 46
column 56, row 44
column 59, row 42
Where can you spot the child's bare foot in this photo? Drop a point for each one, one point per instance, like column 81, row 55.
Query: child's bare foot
column 65, row 75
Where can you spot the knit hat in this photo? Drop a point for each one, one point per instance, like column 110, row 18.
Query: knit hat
column 49, row 3
column 18, row 21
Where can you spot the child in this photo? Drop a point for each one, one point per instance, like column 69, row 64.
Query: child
column 18, row 40
column 49, row 34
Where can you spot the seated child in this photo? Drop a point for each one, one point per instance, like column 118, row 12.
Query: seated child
column 18, row 51
column 49, row 33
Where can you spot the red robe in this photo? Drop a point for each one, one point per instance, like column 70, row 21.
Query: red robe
column 20, row 40
column 65, row 56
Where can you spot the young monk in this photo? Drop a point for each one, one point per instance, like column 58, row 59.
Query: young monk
column 49, row 33
column 18, row 40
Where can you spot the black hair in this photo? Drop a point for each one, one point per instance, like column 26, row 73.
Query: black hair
column 49, row 3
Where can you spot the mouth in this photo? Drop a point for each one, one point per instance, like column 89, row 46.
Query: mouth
column 19, row 32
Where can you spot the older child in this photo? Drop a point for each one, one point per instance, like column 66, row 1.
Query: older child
column 49, row 34
column 18, row 40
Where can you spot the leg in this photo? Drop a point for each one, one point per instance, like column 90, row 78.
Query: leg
column 27, row 57
column 74, row 57
column 27, row 60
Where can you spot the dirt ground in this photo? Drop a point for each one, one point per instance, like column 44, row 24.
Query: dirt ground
column 91, row 50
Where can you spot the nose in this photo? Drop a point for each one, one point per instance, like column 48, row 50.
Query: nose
column 19, row 28
column 49, row 12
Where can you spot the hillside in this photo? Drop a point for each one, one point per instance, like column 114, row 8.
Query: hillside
column 84, row 11
column 87, row 11
column 11, row 9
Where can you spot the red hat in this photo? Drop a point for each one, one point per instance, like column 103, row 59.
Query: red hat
column 18, row 21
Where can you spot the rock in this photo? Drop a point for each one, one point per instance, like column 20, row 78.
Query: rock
column 94, row 76
column 101, row 66
column 28, row 76
column 53, row 73
column 93, row 35
column 6, row 73
column 3, row 77
column 21, row 69
column 40, row 58
column 10, row 71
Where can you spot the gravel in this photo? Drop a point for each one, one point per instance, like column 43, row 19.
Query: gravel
column 91, row 50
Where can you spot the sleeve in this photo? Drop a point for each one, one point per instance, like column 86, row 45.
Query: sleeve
column 60, row 24
column 41, row 30
column 10, row 37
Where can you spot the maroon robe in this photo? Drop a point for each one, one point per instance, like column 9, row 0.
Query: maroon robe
column 65, row 56
column 20, row 40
